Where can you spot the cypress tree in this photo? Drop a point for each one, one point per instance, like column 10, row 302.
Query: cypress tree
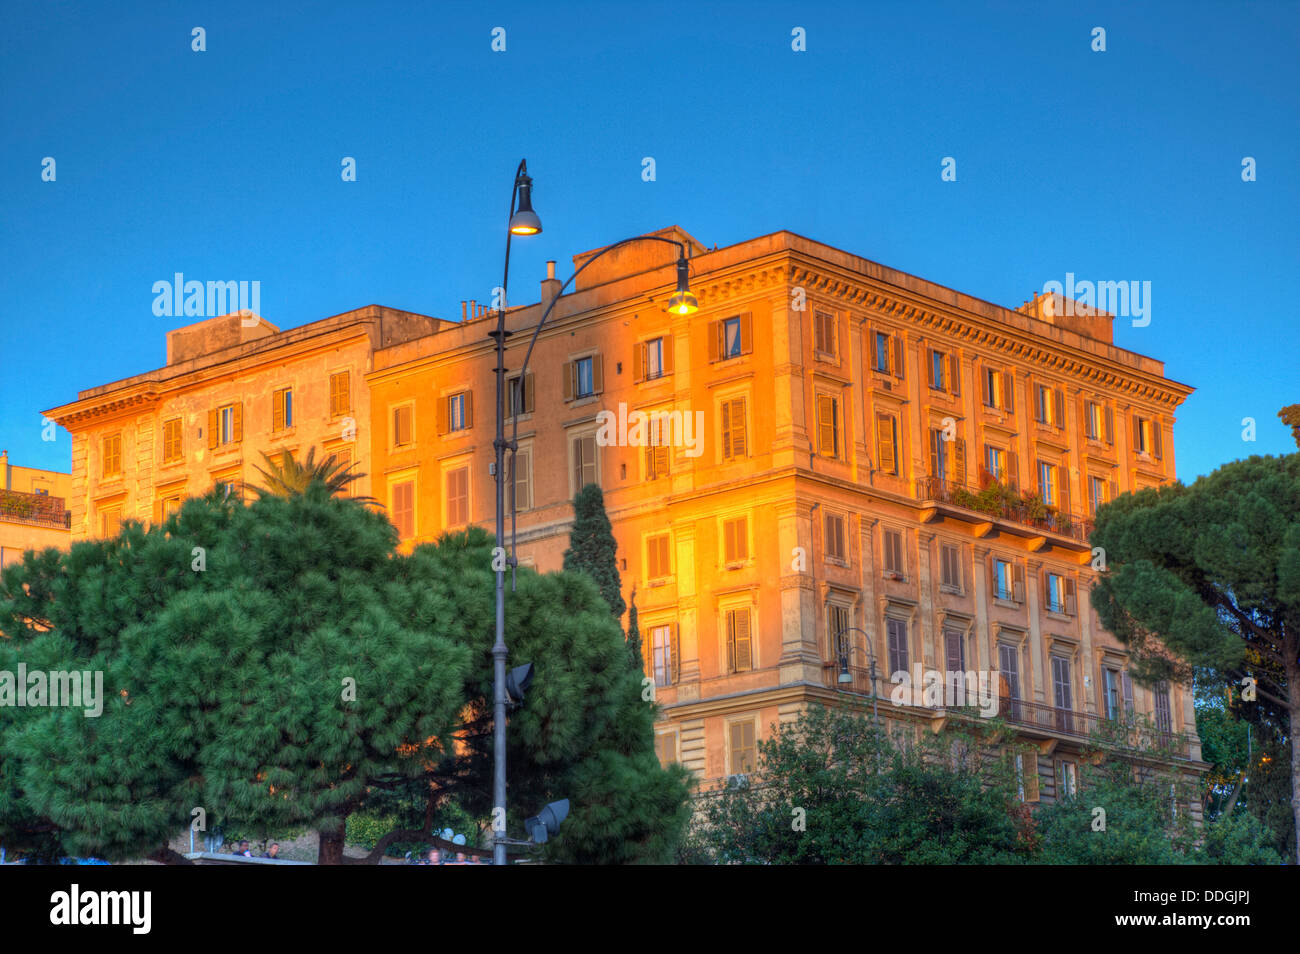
column 634, row 638
column 592, row 547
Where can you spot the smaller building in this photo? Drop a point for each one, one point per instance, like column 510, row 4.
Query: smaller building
column 33, row 510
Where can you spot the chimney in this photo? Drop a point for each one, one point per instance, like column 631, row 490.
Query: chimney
column 464, row 310
column 550, row 285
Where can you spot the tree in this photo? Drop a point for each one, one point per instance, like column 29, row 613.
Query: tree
column 1290, row 416
column 832, row 788
column 279, row 665
column 592, row 547
column 1208, row 577
column 285, row 475
column 634, row 651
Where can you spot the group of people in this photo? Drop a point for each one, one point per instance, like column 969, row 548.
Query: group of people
column 435, row 857
column 243, row 850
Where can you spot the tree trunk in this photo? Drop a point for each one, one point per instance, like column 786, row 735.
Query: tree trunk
column 331, row 845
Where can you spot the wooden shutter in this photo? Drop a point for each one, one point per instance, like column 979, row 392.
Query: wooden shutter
column 959, row 461
column 1137, row 433
column 935, row 437
column 1070, row 607
column 826, row 425
column 597, row 373
column 1112, row 491
column 1008, row 392
column 1013, row 470
column 570, row 376
column 1127, row 683
column 638, row 360
column 986, row 386
column 1063, row 488
column 214, row 428
column 238, row 426
column 993, row 575
column 929, row 368
column 1155, row 439
column 741, row 654
column 715, row 341
column 885, row 443
column 952, row 643
column 1110, row 426
column 1030, row 776
column 277, row 411
column 1058, row 418
column 674, row 654
column 954, row 374
column 444, row 419
column 469, row 409
column 1018, row 583
column 666, row 357
column 898, row 356
column 746, row 333
column 739, row 435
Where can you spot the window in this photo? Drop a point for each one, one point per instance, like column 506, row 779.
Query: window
column 583, row 378
column 887, row 443
column 1067, row 779
column 666, row 747
column 1002, row 465
column 110, row 521
column 111, row 459
column 458, row 496
column 734, row 433
column 735, row 540
column 730, row 337
column 938, row 454
column 225, row 425
column 1058, row 593
column 1008, row 580
column 521, row 399
column 998, row 390
column 950, row 557
column 893, row 546
column 663, row 654
column 1096, row 493
column 834, row 526
column 653, row 352
column 1110, row 692
column 584, row 463
column 1049, row 406
column 938, row 370
column 1164, row 716
column 521, row 480
column 172, row 449
column 824, row 333
column 1146, row 437
column 1062, row 695
column 282, row 409
column 838, row 622
column 460, row 413
column 1009, row 679
column 402, row 430
column 658, row 559
column 896, row 633
column 882, row 352
column 1027, row 776
column 169, row 505
column 657, row 450
column 343, row 457
column 828, row 425
column 740, row 748
column 1100, row 421
column 740, row 656
column 340, row 394
column 954, row 650
column 404, row 508
column 1047, row 483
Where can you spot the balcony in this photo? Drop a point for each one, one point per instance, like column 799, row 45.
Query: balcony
column 34, row 509
column 1002, row 503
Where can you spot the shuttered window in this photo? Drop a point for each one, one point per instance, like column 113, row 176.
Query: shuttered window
column 172, row 449
column 663, row 654
column 404, row 508
column 730, row 337
column 521, row 480
column 402, row 430
column 954, row 650
column 110, row 522
column 735, row 540
column 584, row 463
column 521, row 398
column 741, row 751
column 734, row 434
column 893, row 546
column 1110, row 692
column 1027, row 776
column 882, row 352
column 226, row 425
column 938, row 370
column 824, row 333
column 340, row 394
column 951, row 561
column 1062, row 693
column 111, row 460
column 458, row 496
column 666, row 747
column 896, row 635
column 887, row 443
column 457, row 413
column 740, row 656
column 658, row 561
column 1047, row 483
column 656, row 455
column 1164, row 718
column 282, row 409
column 343, row 458
column 837, row 629
column 828, row 425
column 1009, row 679
column 834, row 526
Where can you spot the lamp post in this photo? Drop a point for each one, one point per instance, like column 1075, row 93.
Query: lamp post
column 524, row 221
column 843, row 650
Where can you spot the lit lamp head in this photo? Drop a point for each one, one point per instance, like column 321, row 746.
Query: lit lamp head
column 525, row 220
column 683, row 302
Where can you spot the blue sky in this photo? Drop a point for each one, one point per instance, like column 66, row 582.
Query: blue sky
column 225, row 164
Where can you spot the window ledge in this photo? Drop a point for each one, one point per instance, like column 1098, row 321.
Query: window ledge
column 949, row 588
column 1060, row 615
column 1007, row 602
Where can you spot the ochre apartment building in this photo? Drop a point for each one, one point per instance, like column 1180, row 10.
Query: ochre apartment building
column 33, row 510
column 887, row 471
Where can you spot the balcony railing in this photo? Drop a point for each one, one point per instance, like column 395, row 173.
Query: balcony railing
column 36, row 509
column 1004, row 506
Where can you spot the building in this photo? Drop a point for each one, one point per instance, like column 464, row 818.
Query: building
column 33, row 510
column 859, row 466
column 233, row 388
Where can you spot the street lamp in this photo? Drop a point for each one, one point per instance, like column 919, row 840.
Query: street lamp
column 524, row 221
column 844, row 648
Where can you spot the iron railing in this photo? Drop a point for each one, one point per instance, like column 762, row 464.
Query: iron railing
column 37, row 509
column 1049, row 519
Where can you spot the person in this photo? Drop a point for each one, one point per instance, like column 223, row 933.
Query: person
column 244, row 850
column 434, row 857
column 273, row 851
